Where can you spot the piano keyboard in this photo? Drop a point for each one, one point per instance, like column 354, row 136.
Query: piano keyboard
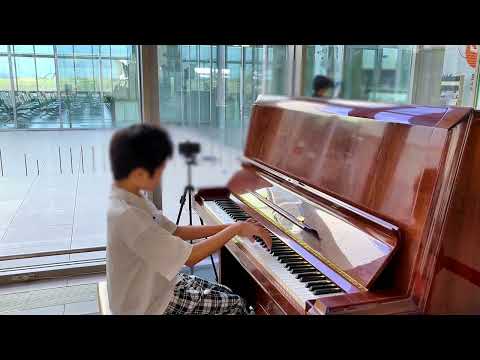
column 298, row 277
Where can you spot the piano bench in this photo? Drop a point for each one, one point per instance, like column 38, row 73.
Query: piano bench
column 102, row 295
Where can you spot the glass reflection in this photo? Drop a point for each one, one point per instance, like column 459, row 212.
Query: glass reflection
column 340, row 242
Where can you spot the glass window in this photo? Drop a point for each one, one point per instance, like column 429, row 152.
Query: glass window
column 42, row 170
column 118, row 76
column 232, row 86
column 169, row 84
column 277, row 82
column 130, row 51
column 214, row 53
column 65, row 50
column 46, row 74
column 66, row 75
column 389, row 58
column 120, row 51
column 248, row 54
column 96, row 75
column 418, row 74
column 368, row 59
column 107, row 75
column 185, row 53
column 207, row 92
column 25, row 70
column 96, row 50
column 6, row 108
column 3, row 48
column 105, row 50
column 44, row 49
column 4, row 74
column 233, row 53
column 84, row 75
column 193, row 53
column 204, row 53
column 83, row 50
column 23, row 49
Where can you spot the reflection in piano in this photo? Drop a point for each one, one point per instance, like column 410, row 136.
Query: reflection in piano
column 372, row 209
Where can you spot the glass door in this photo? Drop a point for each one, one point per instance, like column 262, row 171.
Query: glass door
column 377, row 73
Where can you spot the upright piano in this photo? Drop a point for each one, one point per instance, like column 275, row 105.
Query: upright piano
column 372, row 209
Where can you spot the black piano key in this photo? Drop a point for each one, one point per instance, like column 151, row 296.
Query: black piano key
column 309, row 273
column 310, row 278
column 322, row 286
column 289, row 258
column 295, row 256
column 323, row 282
column 327, row 291
column 302, row 269
column 293, row 262
column 283, row 252
column 300, row 266
column 280, row 245
column 279, row 248
column 276, row 249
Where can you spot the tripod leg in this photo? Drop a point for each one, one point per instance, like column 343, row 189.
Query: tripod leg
column 190, row 205
column 188, row 191
column 211, row 257
column 182, row 202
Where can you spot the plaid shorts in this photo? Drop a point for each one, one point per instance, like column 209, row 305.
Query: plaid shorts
column 195, row 296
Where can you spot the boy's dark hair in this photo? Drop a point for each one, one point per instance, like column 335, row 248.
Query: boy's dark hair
column 321, row 82
column 139, row 146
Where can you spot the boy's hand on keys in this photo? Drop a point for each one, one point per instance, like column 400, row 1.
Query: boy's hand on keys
column 251, row 228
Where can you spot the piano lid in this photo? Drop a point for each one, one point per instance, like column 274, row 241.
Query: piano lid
column 354, row 250
column 433, row 116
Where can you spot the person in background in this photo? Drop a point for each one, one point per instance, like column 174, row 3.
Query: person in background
column 321, row 85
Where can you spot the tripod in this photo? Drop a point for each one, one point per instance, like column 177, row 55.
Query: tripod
column 188, row 191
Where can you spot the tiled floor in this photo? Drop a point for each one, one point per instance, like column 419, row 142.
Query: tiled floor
column 61, row 204
column 29, row 298
column 60, row 296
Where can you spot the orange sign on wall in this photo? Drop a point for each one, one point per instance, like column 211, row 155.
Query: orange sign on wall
column 471, row 54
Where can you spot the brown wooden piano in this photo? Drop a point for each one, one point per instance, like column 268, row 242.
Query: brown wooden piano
column 372, row 209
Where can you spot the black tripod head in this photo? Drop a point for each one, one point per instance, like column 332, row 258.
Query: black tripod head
column 189, row 150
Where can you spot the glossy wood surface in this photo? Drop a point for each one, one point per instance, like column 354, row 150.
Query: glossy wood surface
column 449, row 282
column 382, row 165
column 415, row 166
column 356, row 248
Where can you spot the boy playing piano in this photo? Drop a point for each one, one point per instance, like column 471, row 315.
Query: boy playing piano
column 145, row 250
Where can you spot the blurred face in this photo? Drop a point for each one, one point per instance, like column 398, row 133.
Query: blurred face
column 321, row 92
column 142, row 179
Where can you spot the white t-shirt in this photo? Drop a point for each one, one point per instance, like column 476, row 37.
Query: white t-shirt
column 143, row 257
